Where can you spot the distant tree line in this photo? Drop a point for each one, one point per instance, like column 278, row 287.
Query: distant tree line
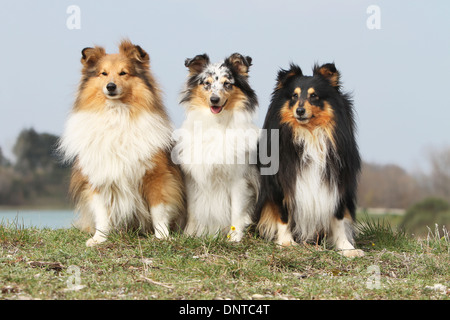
column 37, row 177
column 390, row 186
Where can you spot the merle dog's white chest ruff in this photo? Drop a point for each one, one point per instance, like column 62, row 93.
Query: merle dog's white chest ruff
column 220, row 180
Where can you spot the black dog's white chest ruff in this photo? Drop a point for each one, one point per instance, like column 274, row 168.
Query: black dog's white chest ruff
column 316, row 195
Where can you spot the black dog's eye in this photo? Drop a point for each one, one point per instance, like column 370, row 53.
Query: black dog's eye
column 313, row 96
column 295, row 96
column 104, row 73
column 122, row 73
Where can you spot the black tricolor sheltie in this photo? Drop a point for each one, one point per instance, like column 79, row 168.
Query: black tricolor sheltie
column 313, row 193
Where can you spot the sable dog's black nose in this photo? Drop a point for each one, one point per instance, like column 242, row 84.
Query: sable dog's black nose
column 214, row 99
column 300, row 112
column 111, row 87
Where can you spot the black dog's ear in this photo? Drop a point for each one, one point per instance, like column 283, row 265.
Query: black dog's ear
column 329, row 72
column 239, row 63
column 197, row 64
column 90, row 56
column 284, row 75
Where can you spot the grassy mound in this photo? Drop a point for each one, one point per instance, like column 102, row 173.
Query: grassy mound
column 56, row 264
column 423, row 216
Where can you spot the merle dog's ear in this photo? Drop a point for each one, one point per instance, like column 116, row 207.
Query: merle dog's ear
column 197, row 64
column 329, row 72
column 239, row 63
column 134, row 52
column 90, row 56
column 284, row 75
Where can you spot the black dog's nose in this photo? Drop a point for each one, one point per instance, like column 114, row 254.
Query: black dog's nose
column 300, row 111
column 111, row 87
column 214, row 99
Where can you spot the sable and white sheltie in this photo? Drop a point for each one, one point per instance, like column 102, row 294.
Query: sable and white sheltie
column 313, row 193
column 216, row 145
column 118, row 137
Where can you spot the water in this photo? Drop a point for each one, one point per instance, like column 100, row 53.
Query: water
column 54, row 219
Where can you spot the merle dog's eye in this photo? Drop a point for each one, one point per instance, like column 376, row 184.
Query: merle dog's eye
column 122, row 73
column 206, row 83
column 227, row 85
column 104, row 73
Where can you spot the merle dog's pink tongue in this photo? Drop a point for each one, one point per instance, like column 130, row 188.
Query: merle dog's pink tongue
column 216, row 109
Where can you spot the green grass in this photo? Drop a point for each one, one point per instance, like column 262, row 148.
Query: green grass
column 45, row 264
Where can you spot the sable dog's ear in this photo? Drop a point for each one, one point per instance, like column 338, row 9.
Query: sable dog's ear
column 329, row 72
column 284, row 75
column 134, row 52
column 197, row 64
column 239, row 63
column 90, row 56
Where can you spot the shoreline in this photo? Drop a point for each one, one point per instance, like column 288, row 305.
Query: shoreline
column 35, row 207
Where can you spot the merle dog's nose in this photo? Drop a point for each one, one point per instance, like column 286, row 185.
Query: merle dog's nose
column 300, row 111
column 214, row 100
column 111, row 87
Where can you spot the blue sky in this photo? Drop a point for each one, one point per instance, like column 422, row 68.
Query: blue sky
column 398, row 74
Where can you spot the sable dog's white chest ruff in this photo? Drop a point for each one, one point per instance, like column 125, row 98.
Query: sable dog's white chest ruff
column 111, row 147
column 114, row 152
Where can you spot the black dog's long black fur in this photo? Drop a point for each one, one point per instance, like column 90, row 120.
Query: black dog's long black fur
column 342, row 165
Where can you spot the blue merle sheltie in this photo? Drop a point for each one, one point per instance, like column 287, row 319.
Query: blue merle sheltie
column 313, row 192
column 216, row 146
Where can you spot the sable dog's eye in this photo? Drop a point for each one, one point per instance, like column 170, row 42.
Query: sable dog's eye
column 104, row 73
column 122, row 73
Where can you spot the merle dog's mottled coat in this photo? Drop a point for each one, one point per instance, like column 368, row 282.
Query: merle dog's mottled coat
column 220, row 106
